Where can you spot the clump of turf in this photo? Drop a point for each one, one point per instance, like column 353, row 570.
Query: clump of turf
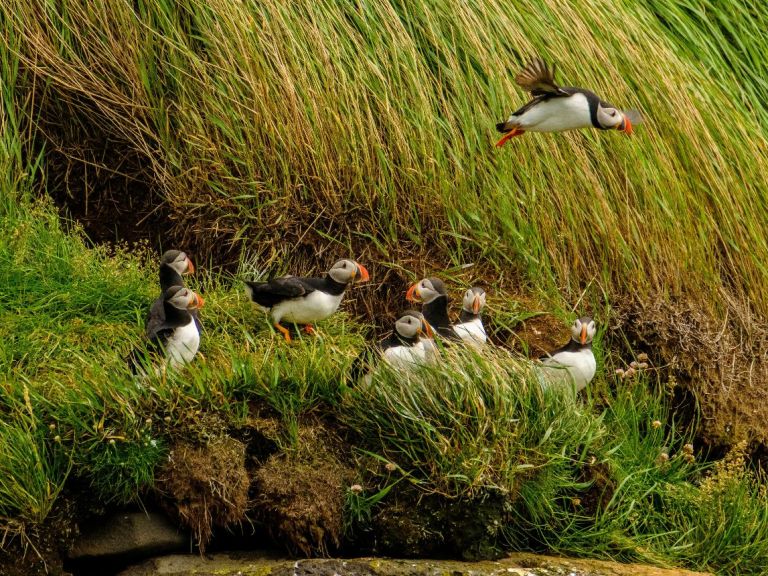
column 206, row 486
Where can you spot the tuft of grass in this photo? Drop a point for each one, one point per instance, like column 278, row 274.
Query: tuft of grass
column 33, row 467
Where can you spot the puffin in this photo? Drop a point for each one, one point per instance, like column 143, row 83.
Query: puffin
column 403, row 350
column 305, row 300
column 557, row 108
column 176, row 333
column 432, row 292
column 574, row 363
column 174, row 265
column 470, row 325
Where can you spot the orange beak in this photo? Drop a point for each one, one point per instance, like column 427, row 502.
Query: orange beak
column 199, row 302
column 476, row 305
column 190, row 267
column 583, row 334
column 362, row 274
column 626, row 126
column 427, row 329
column 413, row 293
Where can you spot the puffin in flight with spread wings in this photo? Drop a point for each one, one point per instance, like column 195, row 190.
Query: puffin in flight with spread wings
column 557, row 108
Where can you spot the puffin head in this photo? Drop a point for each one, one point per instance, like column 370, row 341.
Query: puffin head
column 412, row 324
column 611, row 118
column 179, row 261
column 426, row 290
column 474, row 300
column 583, row 330
column 183, row 298
column 348, row 271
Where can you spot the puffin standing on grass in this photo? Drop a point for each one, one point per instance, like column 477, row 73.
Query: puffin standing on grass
column 175, row 333
column 305, row 300
column 470, row 325
column 574, row 363
column 432, row 292
column 403, row 350
column 174, row 265
column 557, row 108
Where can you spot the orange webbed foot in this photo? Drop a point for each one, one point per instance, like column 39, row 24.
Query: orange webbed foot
column 284, row 331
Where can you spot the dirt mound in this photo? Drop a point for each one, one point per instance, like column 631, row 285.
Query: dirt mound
column 206, row 486
column 302, row 502
column 721, row 358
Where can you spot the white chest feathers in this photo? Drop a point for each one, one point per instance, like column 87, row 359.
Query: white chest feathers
column 182, row 346
column 574, row 369
column 556, row 115
column 405, row 357
column 472, row 333
column 315, row 306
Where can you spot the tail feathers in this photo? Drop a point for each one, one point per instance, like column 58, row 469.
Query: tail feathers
column 250, row 287
column 361, row 367
column 139, row 361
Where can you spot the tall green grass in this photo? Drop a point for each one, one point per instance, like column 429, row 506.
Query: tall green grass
column 374, row 124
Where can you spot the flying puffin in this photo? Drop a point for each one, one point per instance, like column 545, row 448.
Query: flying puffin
column 557, row 108
column 402, row 350
column 174, row 265
column 574, row 363
column 432, row 292
column 305, row 300
column 470, row 325
column 175, row 333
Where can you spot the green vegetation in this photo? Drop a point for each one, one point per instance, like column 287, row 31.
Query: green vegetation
column 366, row 129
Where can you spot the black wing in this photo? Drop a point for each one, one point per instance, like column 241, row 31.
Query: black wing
column 141, row 356
column 156, row 313
column 538, row 79
column 268, row 294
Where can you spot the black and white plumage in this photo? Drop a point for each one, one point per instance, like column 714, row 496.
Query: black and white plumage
column 574, row 363
column 403, row 350
column 470, row 325
column 305, row 300
column 174, row 335
column 557, row 108
column 174, row 265
column 432, row 293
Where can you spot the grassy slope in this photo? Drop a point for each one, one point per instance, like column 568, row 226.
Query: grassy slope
column 412, row 131
column 374, row 122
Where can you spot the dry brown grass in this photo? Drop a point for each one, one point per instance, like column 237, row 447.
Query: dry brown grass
column 206, row 486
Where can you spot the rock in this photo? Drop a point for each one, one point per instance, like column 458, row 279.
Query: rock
column 132, row 535
column 252, row 564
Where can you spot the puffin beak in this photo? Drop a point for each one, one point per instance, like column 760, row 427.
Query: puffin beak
column 190, row 267
column 196, row 301
column 427, row 329
column 476, row 305
column 625, row 126
column 361, row 273
column 413, row 293
column 583, row 335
